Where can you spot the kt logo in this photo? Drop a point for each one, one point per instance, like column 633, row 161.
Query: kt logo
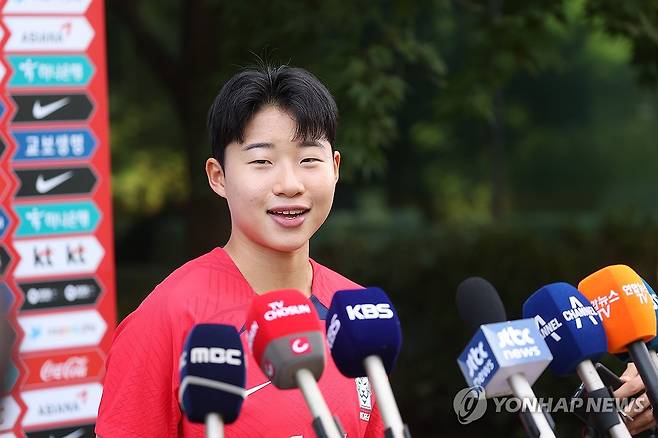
column 75, row 254
column 42, row 257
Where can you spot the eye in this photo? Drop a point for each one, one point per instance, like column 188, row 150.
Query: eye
column 311, row 160
column 260, row 162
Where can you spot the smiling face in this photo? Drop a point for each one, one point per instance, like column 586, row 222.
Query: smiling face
column 279, row 189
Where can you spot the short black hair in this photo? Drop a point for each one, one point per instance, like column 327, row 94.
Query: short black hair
column 292, row 89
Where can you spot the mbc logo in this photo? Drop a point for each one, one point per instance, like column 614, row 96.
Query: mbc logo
column 216, row 355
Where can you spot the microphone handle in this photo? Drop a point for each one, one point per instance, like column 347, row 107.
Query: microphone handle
column 316, row 404
column 214, row 426
column 593, row 384
column 654, row 356
column 522, row 390
column 385, row 399
column 646, row 367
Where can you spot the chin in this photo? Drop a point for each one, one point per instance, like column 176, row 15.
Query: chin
column 287, row 245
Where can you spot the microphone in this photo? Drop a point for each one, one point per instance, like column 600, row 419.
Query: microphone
column 503, row 357
column 285, row 337
column 622, row 301
column 652, row 345
column 575, row 335
column 364, row 336
column 212, row 377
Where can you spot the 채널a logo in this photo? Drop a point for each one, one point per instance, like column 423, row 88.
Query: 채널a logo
column 470, row 404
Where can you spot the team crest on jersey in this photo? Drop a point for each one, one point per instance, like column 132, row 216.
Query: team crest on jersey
column 364, row 393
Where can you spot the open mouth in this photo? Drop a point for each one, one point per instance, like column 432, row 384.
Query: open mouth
column 288, row 214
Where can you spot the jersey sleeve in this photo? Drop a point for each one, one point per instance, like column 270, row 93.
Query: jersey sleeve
column 138, row 398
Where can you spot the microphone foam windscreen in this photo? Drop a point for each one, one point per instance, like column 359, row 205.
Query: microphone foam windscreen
column 622, row 300
column 478, row 303
column 212, row 373
column 285, row 335
column 569, row 324
column 362, row 323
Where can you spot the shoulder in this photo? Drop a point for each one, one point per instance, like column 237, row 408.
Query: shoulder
column 326, row 282
column 210, row 282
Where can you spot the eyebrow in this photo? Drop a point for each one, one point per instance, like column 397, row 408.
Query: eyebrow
column 265, row 145
column 258, row 145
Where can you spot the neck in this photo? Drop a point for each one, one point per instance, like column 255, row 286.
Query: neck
column 266, row 269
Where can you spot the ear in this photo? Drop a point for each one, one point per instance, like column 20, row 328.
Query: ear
column 216, row 177
column 336, row 164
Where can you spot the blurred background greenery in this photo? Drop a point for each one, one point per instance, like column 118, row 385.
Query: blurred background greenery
column 511, row 139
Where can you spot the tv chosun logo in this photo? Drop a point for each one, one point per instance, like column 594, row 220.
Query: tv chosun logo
column 470, row 404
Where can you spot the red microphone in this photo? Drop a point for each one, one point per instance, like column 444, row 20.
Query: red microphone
column 285, row 336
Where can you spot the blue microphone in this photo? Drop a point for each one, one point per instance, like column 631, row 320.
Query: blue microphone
column 571, row 327
column 212, row 376
column 363, row 333
column 574, row 333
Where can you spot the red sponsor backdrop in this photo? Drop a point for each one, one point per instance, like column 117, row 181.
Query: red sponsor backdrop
column 61, row 367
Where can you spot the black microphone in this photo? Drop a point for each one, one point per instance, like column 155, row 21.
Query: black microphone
column 212, row 377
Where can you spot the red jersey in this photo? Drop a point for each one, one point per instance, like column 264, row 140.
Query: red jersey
column 141, row 382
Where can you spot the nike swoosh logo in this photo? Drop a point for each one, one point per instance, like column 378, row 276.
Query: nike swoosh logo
column 46, row 185
column 39, row 112
column 250, row 391
column 75, row 434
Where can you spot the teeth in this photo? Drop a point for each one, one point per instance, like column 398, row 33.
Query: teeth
column 289, row 212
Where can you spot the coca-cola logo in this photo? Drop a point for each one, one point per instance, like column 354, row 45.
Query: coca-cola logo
column 75, row 367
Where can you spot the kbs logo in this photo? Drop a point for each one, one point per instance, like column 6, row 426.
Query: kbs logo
column 278, row 310
column 369, row 311
column 300, row 346
column 332, row 331
column 216, row 355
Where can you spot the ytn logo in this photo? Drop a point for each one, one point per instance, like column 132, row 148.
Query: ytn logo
column 369, row 311
column 216, row 355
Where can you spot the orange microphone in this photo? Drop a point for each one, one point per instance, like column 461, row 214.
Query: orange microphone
column 621, row 298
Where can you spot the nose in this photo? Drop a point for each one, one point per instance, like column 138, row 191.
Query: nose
column 288, row 183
